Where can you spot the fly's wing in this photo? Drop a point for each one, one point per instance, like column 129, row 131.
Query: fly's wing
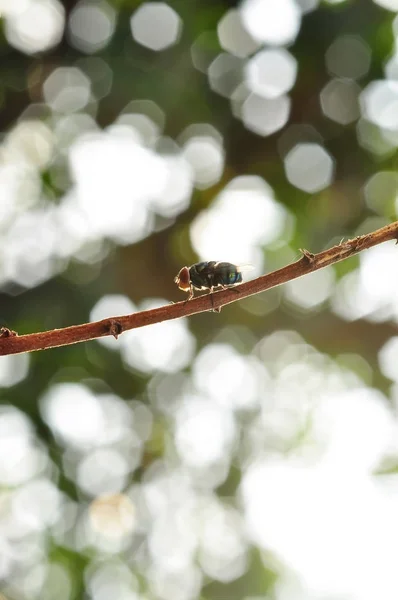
column 244, row 268
column 239, row 268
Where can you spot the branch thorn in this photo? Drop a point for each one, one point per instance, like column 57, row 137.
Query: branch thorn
column 308, row 255
column 5, row 332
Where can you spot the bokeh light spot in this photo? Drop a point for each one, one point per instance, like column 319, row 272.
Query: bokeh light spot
column 13, row 369
column 271, row 21
column 349, row 57
column 388, row 4
column 22, row 458
column 388, row 359
column 309, row 167
column 103, row 471
column 91, row 25
column 211, row 372
column 74, row 415
column 381, row 192
column 372, row 138
column 204, row 432
column 244, row 216
column 339, row 101
column 379, row 103
column 225, row 74
column 31, row 142
column 113, row 515
column 167, row 346
column 37, row 27
column 37, row 504
column 271, row 73
column 233, row 36
column 311, row 291
column 205, row 154
column 307, row 6
column 114, row 196
column 155, row 25
column 369, row 292
column 265, row 116
column 67, row 89
column 223, row 547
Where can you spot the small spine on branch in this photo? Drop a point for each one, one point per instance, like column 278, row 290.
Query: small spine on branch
column 115, row 328
column 307, row 255
column 5, row 332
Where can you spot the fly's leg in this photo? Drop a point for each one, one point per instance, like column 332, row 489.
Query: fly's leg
column 223, row 287
column 218, row 309
column 211, row 296
column 191, row 295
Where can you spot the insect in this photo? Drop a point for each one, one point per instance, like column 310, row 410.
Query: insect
column 208, row 275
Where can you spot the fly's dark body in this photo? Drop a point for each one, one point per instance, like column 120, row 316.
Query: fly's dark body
column 207, row 276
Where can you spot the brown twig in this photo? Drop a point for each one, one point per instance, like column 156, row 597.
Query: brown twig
column 10, row 343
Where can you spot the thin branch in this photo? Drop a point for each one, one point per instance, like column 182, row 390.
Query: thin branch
column 12, row 343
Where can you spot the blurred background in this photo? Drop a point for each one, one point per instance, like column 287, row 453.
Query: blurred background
column 251, row 454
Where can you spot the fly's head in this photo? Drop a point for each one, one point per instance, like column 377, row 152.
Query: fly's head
column 183, row 279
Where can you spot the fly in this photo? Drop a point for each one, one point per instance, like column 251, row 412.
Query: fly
column 208, row 276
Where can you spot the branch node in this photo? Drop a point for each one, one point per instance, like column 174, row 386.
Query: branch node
column 349, row 245
column 5, row 332
column 309, row 256
column 359, row 241
column 115, row 328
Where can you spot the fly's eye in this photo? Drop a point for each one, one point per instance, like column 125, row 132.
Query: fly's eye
column 231, row 277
